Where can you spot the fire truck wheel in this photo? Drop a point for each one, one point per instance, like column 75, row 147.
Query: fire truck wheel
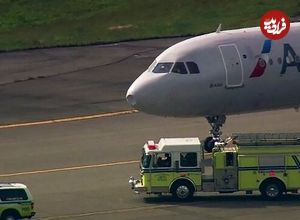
column 272, row 190
column 182, row 191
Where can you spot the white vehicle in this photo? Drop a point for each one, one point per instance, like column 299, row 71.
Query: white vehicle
column 16, row 202
column 219, row 74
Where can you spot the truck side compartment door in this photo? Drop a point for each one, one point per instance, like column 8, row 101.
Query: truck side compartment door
column 248, row 172
column 225, row 172
column 293, row 171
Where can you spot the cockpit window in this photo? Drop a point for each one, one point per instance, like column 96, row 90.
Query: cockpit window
column 179, row 67
column 163, row 68
column 193, row 67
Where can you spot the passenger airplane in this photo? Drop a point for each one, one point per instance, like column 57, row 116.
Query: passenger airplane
column 219, row 74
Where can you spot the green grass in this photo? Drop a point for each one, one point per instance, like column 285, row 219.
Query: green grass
column 46, row 23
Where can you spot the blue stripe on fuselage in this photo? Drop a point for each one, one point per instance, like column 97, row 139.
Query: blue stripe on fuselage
column 267, row 46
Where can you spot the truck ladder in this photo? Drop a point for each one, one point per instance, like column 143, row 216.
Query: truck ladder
column 264, row 139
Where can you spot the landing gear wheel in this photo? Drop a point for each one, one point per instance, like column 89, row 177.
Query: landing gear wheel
column 209, row 144
column 216, row 122
column 272, row 190
column 182, row 191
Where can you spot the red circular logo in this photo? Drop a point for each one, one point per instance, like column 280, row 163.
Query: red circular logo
column 275, row 24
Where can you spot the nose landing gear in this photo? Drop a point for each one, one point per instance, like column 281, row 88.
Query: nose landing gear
column 216, row 122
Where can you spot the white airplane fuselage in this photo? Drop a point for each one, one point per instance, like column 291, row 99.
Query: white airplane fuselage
column 240, row 71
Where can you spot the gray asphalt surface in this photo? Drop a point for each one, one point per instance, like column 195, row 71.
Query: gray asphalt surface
column 66, row 82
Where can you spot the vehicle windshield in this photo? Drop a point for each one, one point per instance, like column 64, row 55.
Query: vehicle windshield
column 145, row 160
column 163, row 68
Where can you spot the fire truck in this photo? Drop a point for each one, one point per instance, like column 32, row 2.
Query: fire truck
column 269, row 163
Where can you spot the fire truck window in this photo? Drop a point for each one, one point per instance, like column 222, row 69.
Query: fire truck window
column 188, row 159
column 229, row 159
column 163, row 160
column 145, row 161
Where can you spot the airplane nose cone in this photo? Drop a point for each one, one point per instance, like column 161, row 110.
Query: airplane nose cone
column 131, row 96
column 131, row 100
column 142, row 94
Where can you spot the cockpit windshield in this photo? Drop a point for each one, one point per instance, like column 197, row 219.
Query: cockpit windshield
column 163, row 67
column 180, row 68
column 145, row 160
column 193, row 67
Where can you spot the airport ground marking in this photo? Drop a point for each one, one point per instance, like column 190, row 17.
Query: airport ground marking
column 56, row 170
column 71, row 119
column 116, row 211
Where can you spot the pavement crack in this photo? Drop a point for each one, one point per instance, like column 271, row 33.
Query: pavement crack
column 106, row 212
column 80, row 69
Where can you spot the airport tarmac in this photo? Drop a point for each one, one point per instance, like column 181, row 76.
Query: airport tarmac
column 79, row 168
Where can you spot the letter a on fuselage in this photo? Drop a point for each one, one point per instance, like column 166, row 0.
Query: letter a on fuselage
column 290, row 58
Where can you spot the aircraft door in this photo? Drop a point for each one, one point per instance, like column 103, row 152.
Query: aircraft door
column 233, row 65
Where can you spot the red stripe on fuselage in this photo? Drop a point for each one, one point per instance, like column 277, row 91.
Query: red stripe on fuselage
column 259, row 69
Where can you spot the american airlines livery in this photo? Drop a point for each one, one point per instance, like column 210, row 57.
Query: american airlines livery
column 219, row 74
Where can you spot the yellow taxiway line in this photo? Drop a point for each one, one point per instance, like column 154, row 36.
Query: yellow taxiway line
column 64, row 169
column 69, row 168
column 116, row 211
column 79, row 118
